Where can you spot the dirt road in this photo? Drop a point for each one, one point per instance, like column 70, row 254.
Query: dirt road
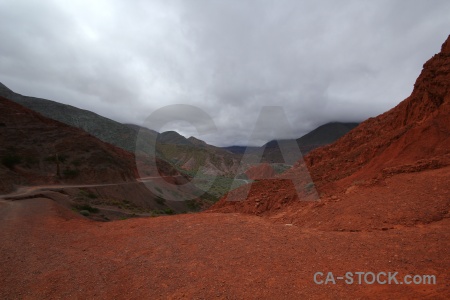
column 26, row 190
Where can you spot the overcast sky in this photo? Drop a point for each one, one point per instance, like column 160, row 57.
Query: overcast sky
column 321, row 61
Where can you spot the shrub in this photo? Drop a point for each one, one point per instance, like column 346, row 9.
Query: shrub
column 76, row 163
column 169, row 211
column 10, row 160
column 30, row 161
column 61, row 158
column 192, row 204
column 71, row 173
column 88, row 208
column 84, row 213
column 309, row 186
column 87, row 194
column 51, row 158
column 160, row 200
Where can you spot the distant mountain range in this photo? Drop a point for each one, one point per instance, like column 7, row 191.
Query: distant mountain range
column 181, row 152
column 185, row 153
column 321, row 136
column 103, row 128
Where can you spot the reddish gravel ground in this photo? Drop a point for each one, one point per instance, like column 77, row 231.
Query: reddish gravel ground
column 47, row 251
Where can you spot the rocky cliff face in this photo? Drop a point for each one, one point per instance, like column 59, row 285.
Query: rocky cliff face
column 416, row 129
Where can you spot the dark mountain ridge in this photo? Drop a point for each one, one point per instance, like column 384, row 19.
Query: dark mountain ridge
column 321, row 136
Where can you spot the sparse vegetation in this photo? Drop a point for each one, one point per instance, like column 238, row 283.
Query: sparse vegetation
column 219, row 187
column 193, row 205
column 280, row 168
column 160, row 200
column 51, row 158
column 31, row 161
column 242, row 176
column 168, row 211
column 87, row 194
column 105, row 217
column 62, row 158
column 309, row 186
column 10, row 160
column 58, row 159
column 87, row 207
column 76, row 163
column 84, row 213
column 71, row 173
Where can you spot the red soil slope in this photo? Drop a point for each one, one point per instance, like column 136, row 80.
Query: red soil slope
column 415, row 132
column 412, row 137
column 261, row 171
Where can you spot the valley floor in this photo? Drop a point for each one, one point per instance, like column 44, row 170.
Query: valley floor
column 47, row 251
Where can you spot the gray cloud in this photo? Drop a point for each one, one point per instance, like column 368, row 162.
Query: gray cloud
column 320, row 60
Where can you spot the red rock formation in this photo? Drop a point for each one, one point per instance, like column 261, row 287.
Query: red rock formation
column 411, row 137
column 261, row 171
column 417, row 129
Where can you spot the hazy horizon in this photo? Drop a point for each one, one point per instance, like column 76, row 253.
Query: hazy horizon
column 188, row 136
